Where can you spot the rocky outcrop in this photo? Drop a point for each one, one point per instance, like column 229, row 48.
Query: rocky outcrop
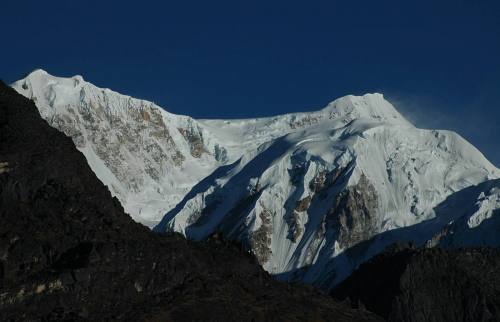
column 195, row 141
column 406, row 284
column 260, row 239
column 69, row 252
column 295, row 229
column 4, row 167
column 303, row 204
column 304, row 121
column 318, row 182
column 354, row 213
column 295, row 226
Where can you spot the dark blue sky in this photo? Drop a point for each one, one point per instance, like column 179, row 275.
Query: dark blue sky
column 437, row 61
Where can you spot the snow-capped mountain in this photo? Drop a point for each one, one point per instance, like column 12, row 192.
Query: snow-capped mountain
column 148, row 158
column 323, row 192
column 312, row 195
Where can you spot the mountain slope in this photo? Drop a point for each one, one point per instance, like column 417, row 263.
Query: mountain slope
column 149, row 158
column 312, row 195
column 69, row 252
column 321, row 193
column 428, row 285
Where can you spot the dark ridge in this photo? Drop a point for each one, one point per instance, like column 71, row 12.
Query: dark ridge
column 407, row 284
column 68, row 251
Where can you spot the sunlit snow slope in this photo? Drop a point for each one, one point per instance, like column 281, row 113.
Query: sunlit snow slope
column 148, row 158
column 342, row 188
column 298, row 190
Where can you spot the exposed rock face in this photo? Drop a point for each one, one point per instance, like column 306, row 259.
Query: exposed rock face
column 318, row 182
column 140, row 132
column 195, row 141
column 69, row 252
column 303, row 204
column 404, row 284
column 294, row 226
column 354, row 213
column 260, row 239
column 306, row 120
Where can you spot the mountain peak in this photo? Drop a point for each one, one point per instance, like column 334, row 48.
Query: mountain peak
column 41, row 73
column 37, row 71
column 371, row 105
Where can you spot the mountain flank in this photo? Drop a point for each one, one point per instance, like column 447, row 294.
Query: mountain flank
column 68, row 251
column 407, row 284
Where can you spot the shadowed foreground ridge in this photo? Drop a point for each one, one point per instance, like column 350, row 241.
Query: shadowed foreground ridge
column 69, row 252
column 406, row 284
